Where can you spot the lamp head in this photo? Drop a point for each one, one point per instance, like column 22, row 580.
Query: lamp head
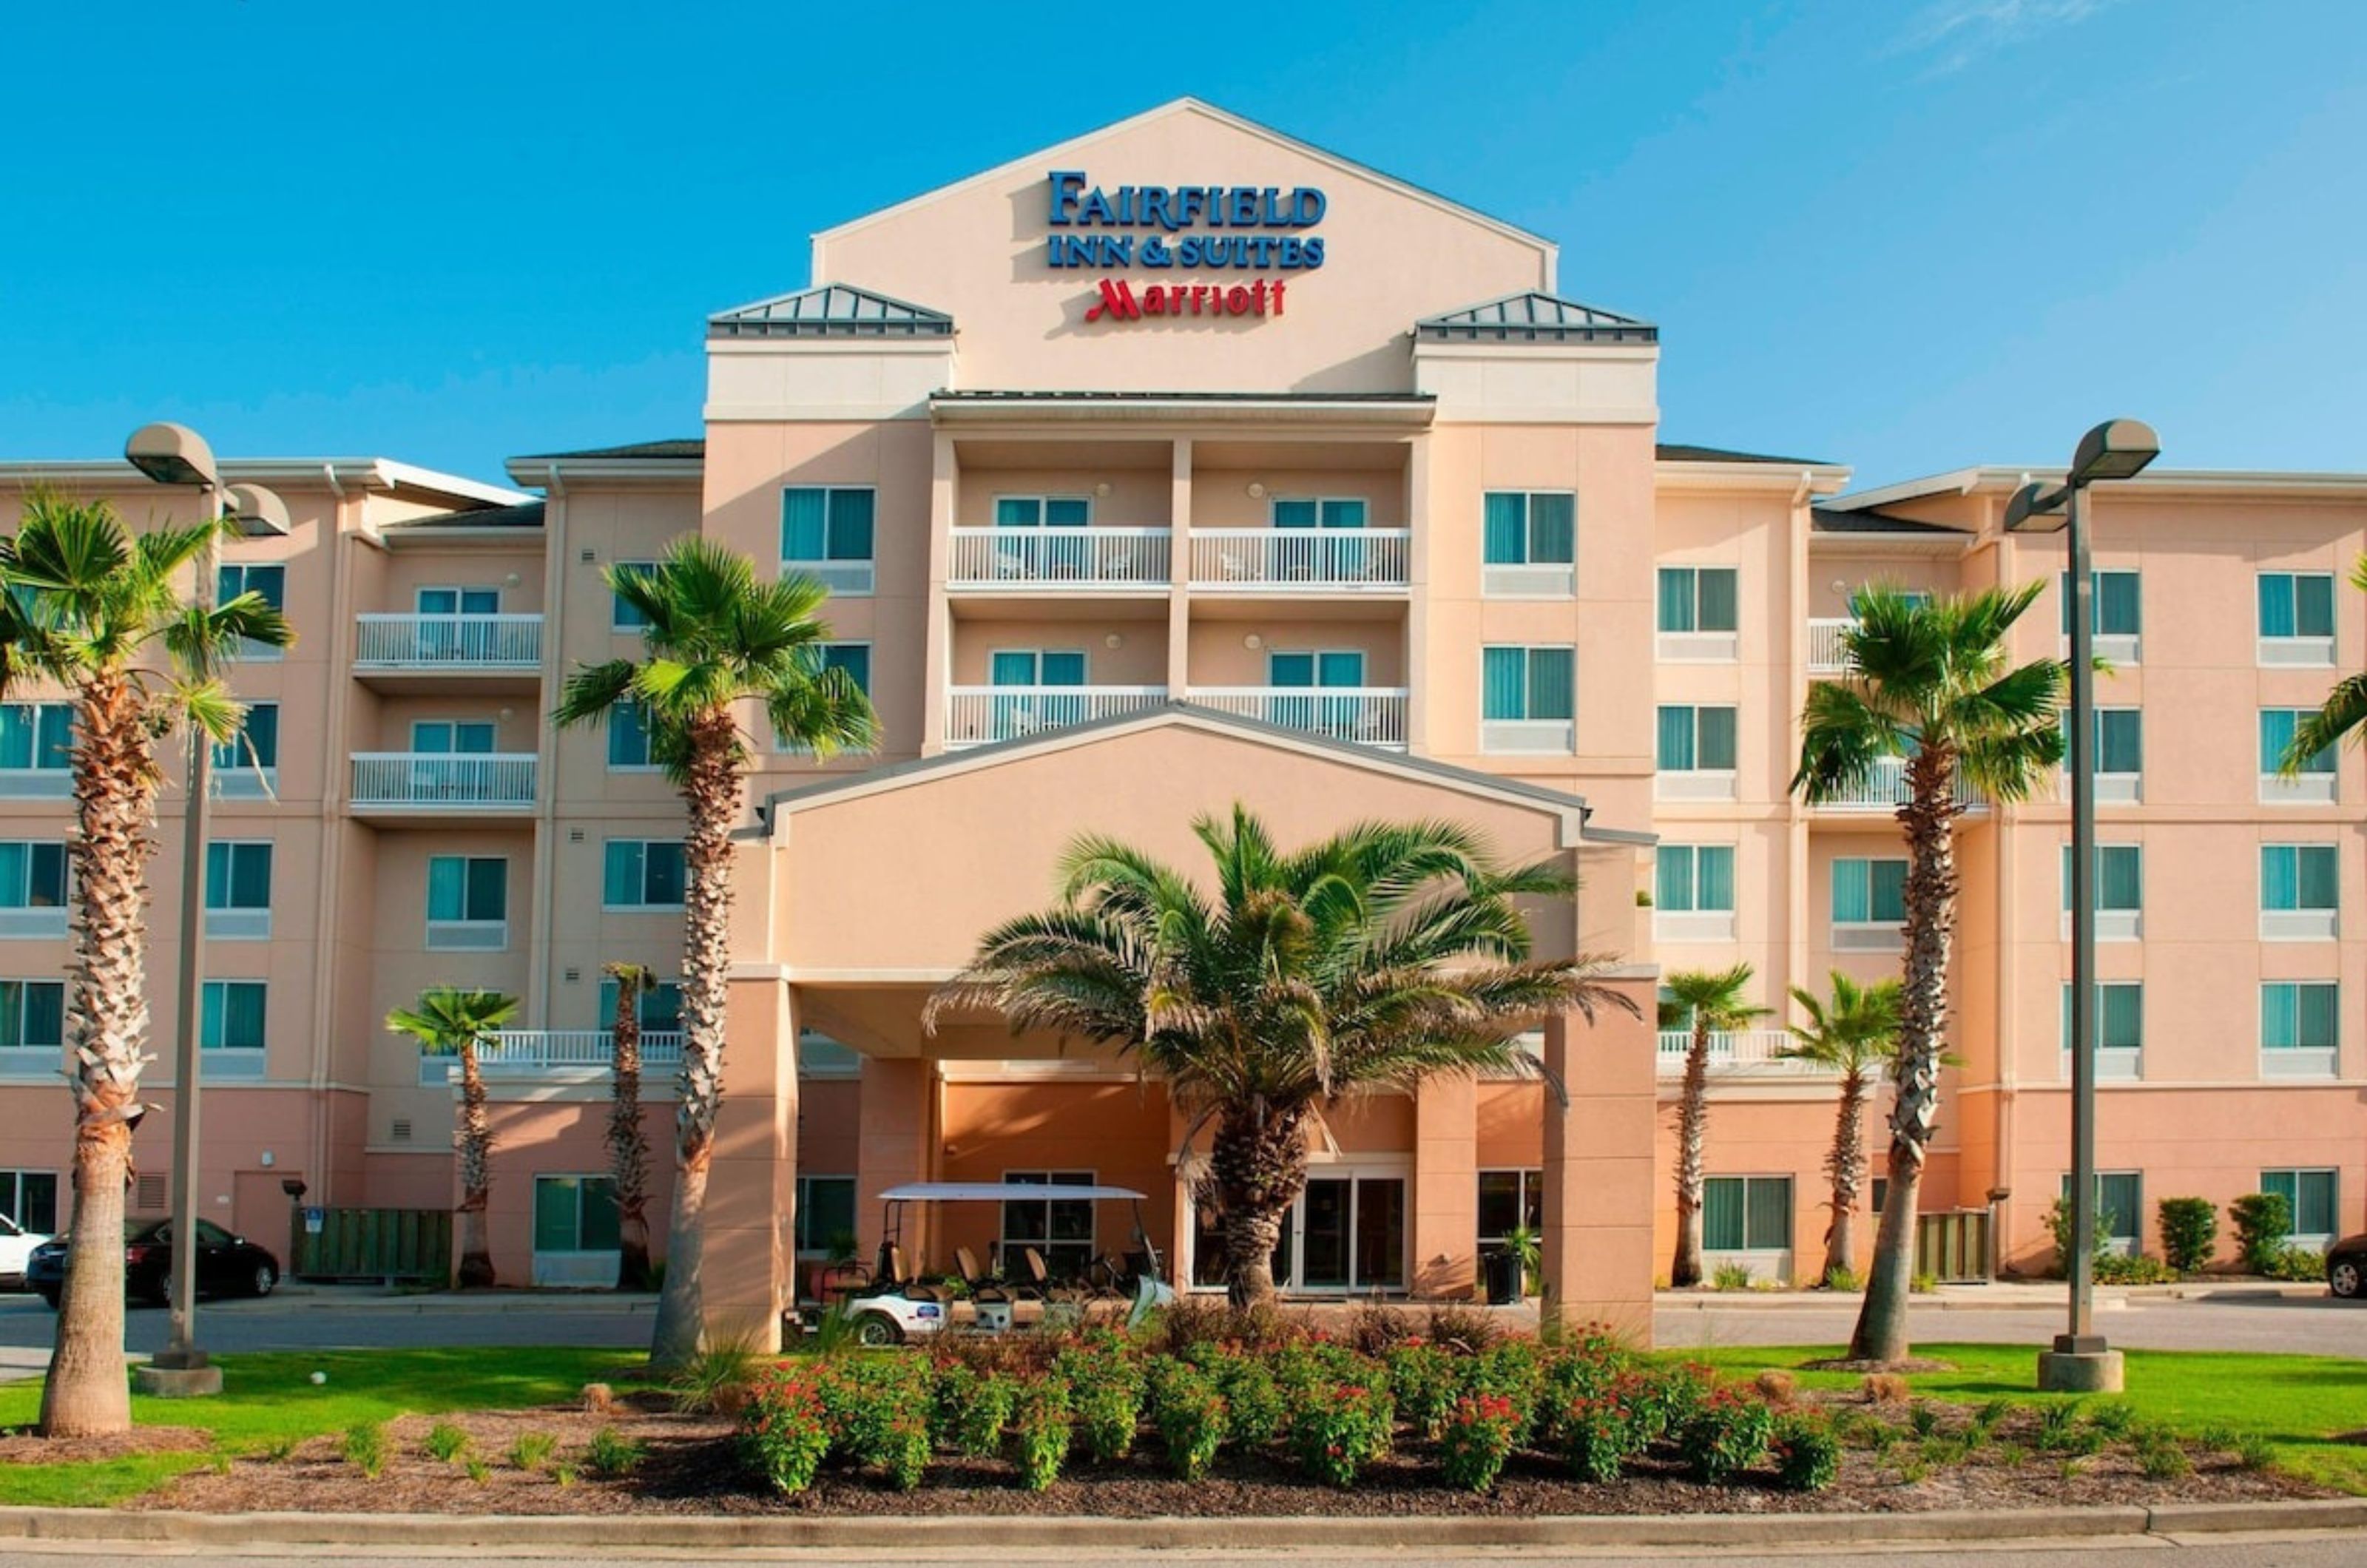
column 2116, row 449
column 257, row 512
column 171, row 455
column 2035, row 509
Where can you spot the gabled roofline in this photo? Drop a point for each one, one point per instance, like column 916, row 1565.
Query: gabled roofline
column 331, row 473
column 1571, row 810
column 1187, row 103
column 1999, row 476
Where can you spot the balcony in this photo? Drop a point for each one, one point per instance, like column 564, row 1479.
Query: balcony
column 1066, row 559
column 1745, row 1053
column 444, row 782
column 518, row 1054
column 1300, row 560
column 411, row 652
column 981, row 716
column 1886, row 789
column 1370, row 716
column 1828, row 655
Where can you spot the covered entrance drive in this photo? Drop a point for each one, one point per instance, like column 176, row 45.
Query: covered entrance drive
column 841, row 945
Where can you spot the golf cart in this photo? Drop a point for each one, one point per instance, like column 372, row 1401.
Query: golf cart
column 896, row 1304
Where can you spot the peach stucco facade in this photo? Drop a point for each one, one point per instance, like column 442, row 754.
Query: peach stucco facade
column 1406, row 545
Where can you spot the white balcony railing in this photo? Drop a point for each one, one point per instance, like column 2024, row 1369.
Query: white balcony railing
column 449, row 642
column 1756, row 1052
column 1059, row 557
column 440, row 780
column 1886, row 788
column 1372, row 715
column 535, row 1053
column 1293, row 560
column 1827, row 654
column 979, row 715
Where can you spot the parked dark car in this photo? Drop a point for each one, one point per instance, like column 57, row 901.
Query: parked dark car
column 2346, row 1267
column 226, row 1265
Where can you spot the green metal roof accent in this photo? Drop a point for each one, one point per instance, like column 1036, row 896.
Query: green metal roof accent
column 832, row 310
column 1534, row 317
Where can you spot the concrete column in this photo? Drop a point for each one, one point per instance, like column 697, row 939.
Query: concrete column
column 937, row 652
column 752, row 1191
column 1445, row 1187
column 1597, row 1172
column 892, row 1147
column 1179, row 570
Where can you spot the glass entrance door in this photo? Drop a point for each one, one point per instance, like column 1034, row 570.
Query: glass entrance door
column 1346, row 1233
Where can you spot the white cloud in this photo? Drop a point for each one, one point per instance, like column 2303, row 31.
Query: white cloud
column 1956, row 33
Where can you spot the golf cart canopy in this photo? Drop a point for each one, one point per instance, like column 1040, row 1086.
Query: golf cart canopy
column 998, row 1193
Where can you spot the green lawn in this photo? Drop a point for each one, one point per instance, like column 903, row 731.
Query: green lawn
column 2299, row 1403
column 267, row 1398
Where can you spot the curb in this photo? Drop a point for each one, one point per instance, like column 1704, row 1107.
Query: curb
column 490, row 1305
column 1040, row 1534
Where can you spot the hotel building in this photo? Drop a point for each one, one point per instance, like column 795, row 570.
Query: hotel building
column 1305, row 488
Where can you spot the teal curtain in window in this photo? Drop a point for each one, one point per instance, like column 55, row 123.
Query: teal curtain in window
column 2311, row 1195
column 1506, row 527
column 1553, row 683
column 2120, row 1201
column 1067, row 511
column 2314, row 1016
column 1886, row 890
column 620, row 879
column 13, row 859
column 448, row 887
column 1716, row 738
column 1064, row 668
column 850, row 524
column 2120, row 876
column 2280, row 877
column 2276, row 734
column 805, row 515
column 2116, row 603
column 1722, row 1214
column 1340, row 669
column 1011, row 667
column 598, row 1221
column 231, row 1017
column 558, row 1201
column 1295, row 671
column 487, row 896
column 1504, row 675
column 1294, row 514
column 1018, row 511
column 662, row 878
column 32, row 1013
column 249, row 873
column 1677, row 603
column 2276, row 604
column 2316, row 869
column 1713, row 878
column 2314, row 605
column 12, row 1011
column 1767, row 1214
column 2120, row 1017
column 2120, row 741
column 854, row 657
column 1345, row 513
column 2279, row 1009
column 1673, row 879
column 1852, row 903
column 1719, row 593
column 1675, row 752
column 1553, row 529
column 17, row 725
column 629, row 739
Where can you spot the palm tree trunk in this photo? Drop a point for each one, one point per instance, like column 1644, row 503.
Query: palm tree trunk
column 628, row 1147
column 711, row 793
column 1258, row 1165
column 1692, row 1127
column 476, row 1173
column 1930, row 817
column 1844, row 1163
column 86, row 1393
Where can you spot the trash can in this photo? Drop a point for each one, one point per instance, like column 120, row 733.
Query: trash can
column 1503, row 1278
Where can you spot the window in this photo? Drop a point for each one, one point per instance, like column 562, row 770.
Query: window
column 231, row 1017
column 267, row 581
column 658, row 1009
column 1698, row 598
column 468, row 902
column 247, row 765
column 2296, row 617
column 1747, row 1213
column 238, row 875
column 1031, row 667
column 574, row 1214
column 1342, row 667
column 32, row 876
column 2300, row 888
column 2316, row 782
column 33, row 1015
column 36, row 748
column 1060, row 1230
column 30, row 1197
column 642, row 874
column 2116, row 608
column 2120, row 741
column 827, row 531
column 854, row 660
column 1869, row 892
column 1043, row 512
column 1318, row 512
column 622, row 616
column 1696, row 739
column 1528, row 699
column 2119, row 1028
column 629, row 739
column 2120, row 891
column 1510, row 1200
column 451, row 737
column 2309, row 1194
column 1530, row 527
column 2119, row 1208
column 1695, row 877
column 2299, row 1028
column 825, row 1216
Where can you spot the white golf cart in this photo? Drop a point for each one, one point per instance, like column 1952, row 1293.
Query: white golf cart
column 896, row 1306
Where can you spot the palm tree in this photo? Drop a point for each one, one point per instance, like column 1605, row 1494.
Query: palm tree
column 1854, row 1034
column 2342, row 713
column 628, row 1146
column 449, row 1021
column 1707, row 1003
column 95, row 612
column 1383, row 956
column 1929, row 686
column 713, row 638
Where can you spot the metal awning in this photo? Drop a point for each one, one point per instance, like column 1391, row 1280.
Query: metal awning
column 998, row 1193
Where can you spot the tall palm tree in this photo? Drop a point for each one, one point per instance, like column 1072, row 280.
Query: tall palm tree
column 1707, row 1003
column 2342, row 714
column 449, row 1021
column 1383, row 956
column 714, row 638
column 1929, row 686
column 628, row 1146
column 100, row 613
column 1855, row 1034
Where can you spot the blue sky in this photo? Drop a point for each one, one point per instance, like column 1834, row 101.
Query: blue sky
column 1902, row 235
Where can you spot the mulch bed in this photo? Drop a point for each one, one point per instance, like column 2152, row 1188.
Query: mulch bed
column 688, row 1466
column 22, row 1445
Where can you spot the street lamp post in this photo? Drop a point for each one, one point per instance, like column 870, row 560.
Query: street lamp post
column 2117, row 449
column 176, row 454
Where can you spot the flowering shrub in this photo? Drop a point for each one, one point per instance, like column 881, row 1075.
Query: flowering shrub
column 1189, row 1413
column 782, row 1434
column 1041, row 1425
column 1105, row 1393
column 1253, row 1402
column 972, row 1408
column 1598, row 1434
column 1808, row 1453
column 1668, row 1398
column 1512, row 1371
column 1337, row 1428
column 1728, row 1434
column 876, row 1411
column 1425, row 1382
column 1481, row 1432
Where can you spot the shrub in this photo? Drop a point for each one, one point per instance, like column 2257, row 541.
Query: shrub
column 1105, row 1393
column 716, row 1380
column 532, row 1451
column 1481, row 1432
column 610, row 1454
column 1923, row 1417
column 2220, row 1436
column 1465, row 1329
column 1190, row 1415
column 1599, row 1435
column 877, row 1413
column 1807, row 1454
column 1041, row 1425
column 479, row 1471
column 970, row 1410
column 1987, row 1417
column 2263, row 1224
column 783, row 1432
column 2136, row 1269
column 1253, row 1403
column 1843, row 1279
column 1423, row 1383
column 1727, row 1435
column 445, row 1442
column 1375, row 1330
column 1336, row 1428
column 2164, row 1462
column 2254, row 1452
column 1668, row 1399
column 2114, row 1417
column 365, row 1447
column 1885, row 1387
column 1511, row 1371
column 1730, row 1276
column 1922, row 1283
column 2298, row 1263
column 2189, row 1232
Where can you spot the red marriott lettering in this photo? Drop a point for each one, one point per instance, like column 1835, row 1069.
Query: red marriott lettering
column 1119, row 302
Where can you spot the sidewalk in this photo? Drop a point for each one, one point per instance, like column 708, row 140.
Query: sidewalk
column 2001, row 1295
column 379, row 1299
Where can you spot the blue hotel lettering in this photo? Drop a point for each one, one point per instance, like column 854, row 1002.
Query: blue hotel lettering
column 1075, row 203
